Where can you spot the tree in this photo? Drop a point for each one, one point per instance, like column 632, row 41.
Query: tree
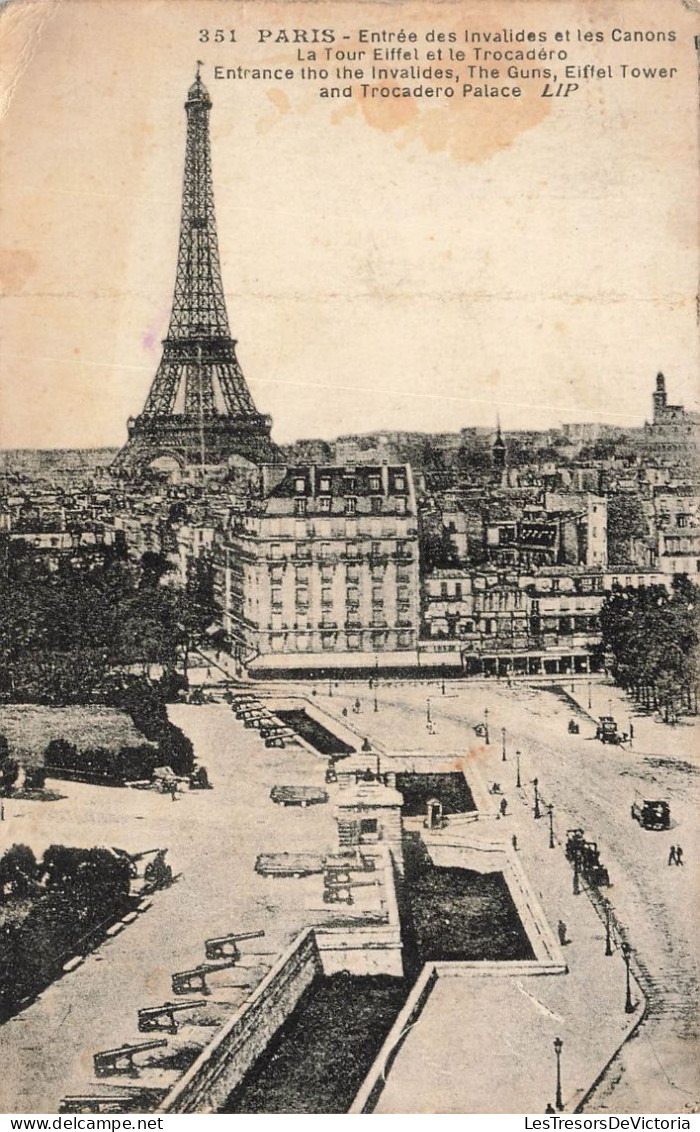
column 18, row 871
column 9, row 773
column 651, row 635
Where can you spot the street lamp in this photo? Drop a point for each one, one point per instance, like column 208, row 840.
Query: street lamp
column 537, row 812
column 550, row 811
column 376, row 682
column 518, row 783
column 442, row 672
column 503, row 742
column 577, row 886
column 608, row 933
column 589, row 695
column 558, row 1046
column 428, row 716
column 626, row 954
column 486, row 727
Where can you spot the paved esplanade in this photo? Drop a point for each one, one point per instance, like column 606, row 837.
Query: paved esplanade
column 213, row 838
column 477, row 1047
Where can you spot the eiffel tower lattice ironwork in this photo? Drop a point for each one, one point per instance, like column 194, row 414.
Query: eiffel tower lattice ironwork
column 199, row 409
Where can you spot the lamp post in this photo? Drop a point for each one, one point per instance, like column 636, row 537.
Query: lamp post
column 486, row 727
column 608, row 933
column 626, row 954
column 550, row 812
column 442, row 682
column 503, row 744
column 589, row 695
column 537, row 811
column 428, row 716
column 518, row 783
column 558, row 1046
column 376, row 681
column 330, row 687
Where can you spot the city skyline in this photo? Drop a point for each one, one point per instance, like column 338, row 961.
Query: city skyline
column 430, row 318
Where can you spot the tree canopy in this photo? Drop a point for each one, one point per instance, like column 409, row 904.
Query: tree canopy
column 651, row 634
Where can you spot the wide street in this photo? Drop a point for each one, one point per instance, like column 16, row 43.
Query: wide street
column 591, row 786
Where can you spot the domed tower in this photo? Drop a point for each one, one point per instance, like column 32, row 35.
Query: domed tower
column 199, row 410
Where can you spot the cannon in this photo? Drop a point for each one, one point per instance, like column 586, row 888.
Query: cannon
column 109, row 1062
column 338, row 890
column 91, row 1102
column 225, row 946
column 138, row 1100
column 195, row 980
column 163, row 1017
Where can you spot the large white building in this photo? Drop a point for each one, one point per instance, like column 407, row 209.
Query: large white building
column 324, row 561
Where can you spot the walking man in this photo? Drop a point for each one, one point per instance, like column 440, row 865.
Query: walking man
column 672, row 856
column 679, row 855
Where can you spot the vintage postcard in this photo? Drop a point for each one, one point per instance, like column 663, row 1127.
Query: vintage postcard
column 349, row 559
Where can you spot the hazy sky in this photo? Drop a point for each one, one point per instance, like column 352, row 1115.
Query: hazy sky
column 387, row 264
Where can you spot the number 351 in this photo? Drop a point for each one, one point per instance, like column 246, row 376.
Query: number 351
column 217, row 35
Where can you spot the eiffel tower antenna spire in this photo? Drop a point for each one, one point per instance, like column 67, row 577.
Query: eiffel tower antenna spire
column 199, row 403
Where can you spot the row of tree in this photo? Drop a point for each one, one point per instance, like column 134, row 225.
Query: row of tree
column 51, row 909
column 98, row 764
column 65, row 631
column 651, row 635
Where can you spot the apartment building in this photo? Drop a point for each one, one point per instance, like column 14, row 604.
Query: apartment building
column 325, row 560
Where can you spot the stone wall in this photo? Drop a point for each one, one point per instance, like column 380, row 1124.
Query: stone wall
column 223, row 1064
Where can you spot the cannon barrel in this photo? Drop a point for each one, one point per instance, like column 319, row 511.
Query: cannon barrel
column 136, row 1047
column 233, row 938
column 202, row 969
column 168, row 1008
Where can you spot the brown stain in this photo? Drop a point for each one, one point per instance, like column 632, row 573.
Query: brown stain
column 279, row 100
column 16, row 267
column 465, row 129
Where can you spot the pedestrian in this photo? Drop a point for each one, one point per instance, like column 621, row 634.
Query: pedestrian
column 672, row 858
column 679, row 855
column 631, row 731
column 515, row 842
column 504, row 807
column 549, row 1108
column 561, row 932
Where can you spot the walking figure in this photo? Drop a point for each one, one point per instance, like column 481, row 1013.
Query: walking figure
column 504, row 807
column 673, row 855
column 515, row 842
column 679, row 855
column 561, row 932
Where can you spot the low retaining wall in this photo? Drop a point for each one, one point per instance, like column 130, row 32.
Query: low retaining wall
column 371, row 1089
column 223, row 1064
column 491, row 857
column 366, row 949
column 342, row 729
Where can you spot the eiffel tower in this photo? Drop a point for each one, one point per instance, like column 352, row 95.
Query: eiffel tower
column 199, row 410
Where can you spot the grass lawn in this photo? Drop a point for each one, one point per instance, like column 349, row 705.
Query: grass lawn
column 30, row 727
